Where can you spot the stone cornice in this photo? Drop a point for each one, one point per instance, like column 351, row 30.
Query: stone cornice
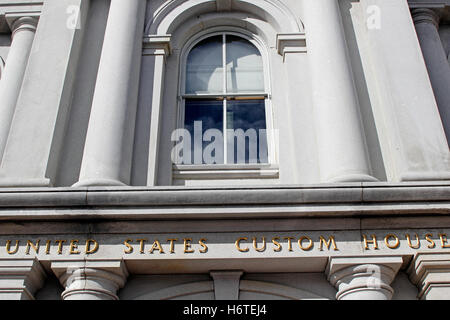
column 134, row 203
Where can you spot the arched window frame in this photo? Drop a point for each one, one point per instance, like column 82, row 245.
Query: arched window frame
column 260, row 170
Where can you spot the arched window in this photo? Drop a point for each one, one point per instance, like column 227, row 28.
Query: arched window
column 224, row 102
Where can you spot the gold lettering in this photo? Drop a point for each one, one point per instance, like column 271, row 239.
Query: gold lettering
column 373, row 241
column 60, row 245
column 328, row 243
column 141, row 245
column 444, row 240
column 8, row 247
column 237, row 244
column 275, row 242
column 128, row 245
column 156, row 246
column 255, row 245
column 172, row 246
column 202, row 242
column 310, row 245
column 289, row 242
column 417, row 245
column 396, row 244
column 88, row 246
column 73, row 247
column 187, row 245
column 32, row 245
column 47, row 246
column 432, row 244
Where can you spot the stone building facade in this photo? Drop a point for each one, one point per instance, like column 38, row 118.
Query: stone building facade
column 345, row 195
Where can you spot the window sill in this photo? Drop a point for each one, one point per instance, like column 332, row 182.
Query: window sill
column 231, row 171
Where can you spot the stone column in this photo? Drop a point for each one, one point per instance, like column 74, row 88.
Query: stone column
column 341, row 141
column 363, row 278
column 430, row 272
column 23, row 30
column 109, row 143
column 91, row 280
column 20, row 278
column 427, row 27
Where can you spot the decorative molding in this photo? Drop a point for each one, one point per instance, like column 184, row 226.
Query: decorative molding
column 167, row 17
column 178, row 291
column 428, row 271
column 428, row 4
column 201, row 172
column 223, row 5
column 22, row 23
column 11, row 11
column 226, row 284
column 20, row 278
column 360, row 275
column 278, row 290
column 343, row 200
column 291, row 43
column 82, row 279
column 157, row 45
column 425, row 15
column 424, row 176
column 24, row 183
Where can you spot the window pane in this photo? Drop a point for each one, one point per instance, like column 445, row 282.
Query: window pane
column 204, row 72
column 246, row 132
column 204, row 121
column 244, row 66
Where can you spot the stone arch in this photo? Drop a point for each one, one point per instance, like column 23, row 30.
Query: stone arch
column 269, row 289
column 213, row 20
column 180, row 291
column 173, row 13
column 274, row 290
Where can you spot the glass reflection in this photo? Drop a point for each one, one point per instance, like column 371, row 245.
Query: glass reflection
column 200, row 116
column 204, row 71
column 244, row 66
column 246, row 131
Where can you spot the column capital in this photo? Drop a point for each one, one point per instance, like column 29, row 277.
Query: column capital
column 20, row 278
column 85, row 280
column 429, row 271
column 22, row 21
column 157, row 45
column 425, row 15
column 363, row 277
